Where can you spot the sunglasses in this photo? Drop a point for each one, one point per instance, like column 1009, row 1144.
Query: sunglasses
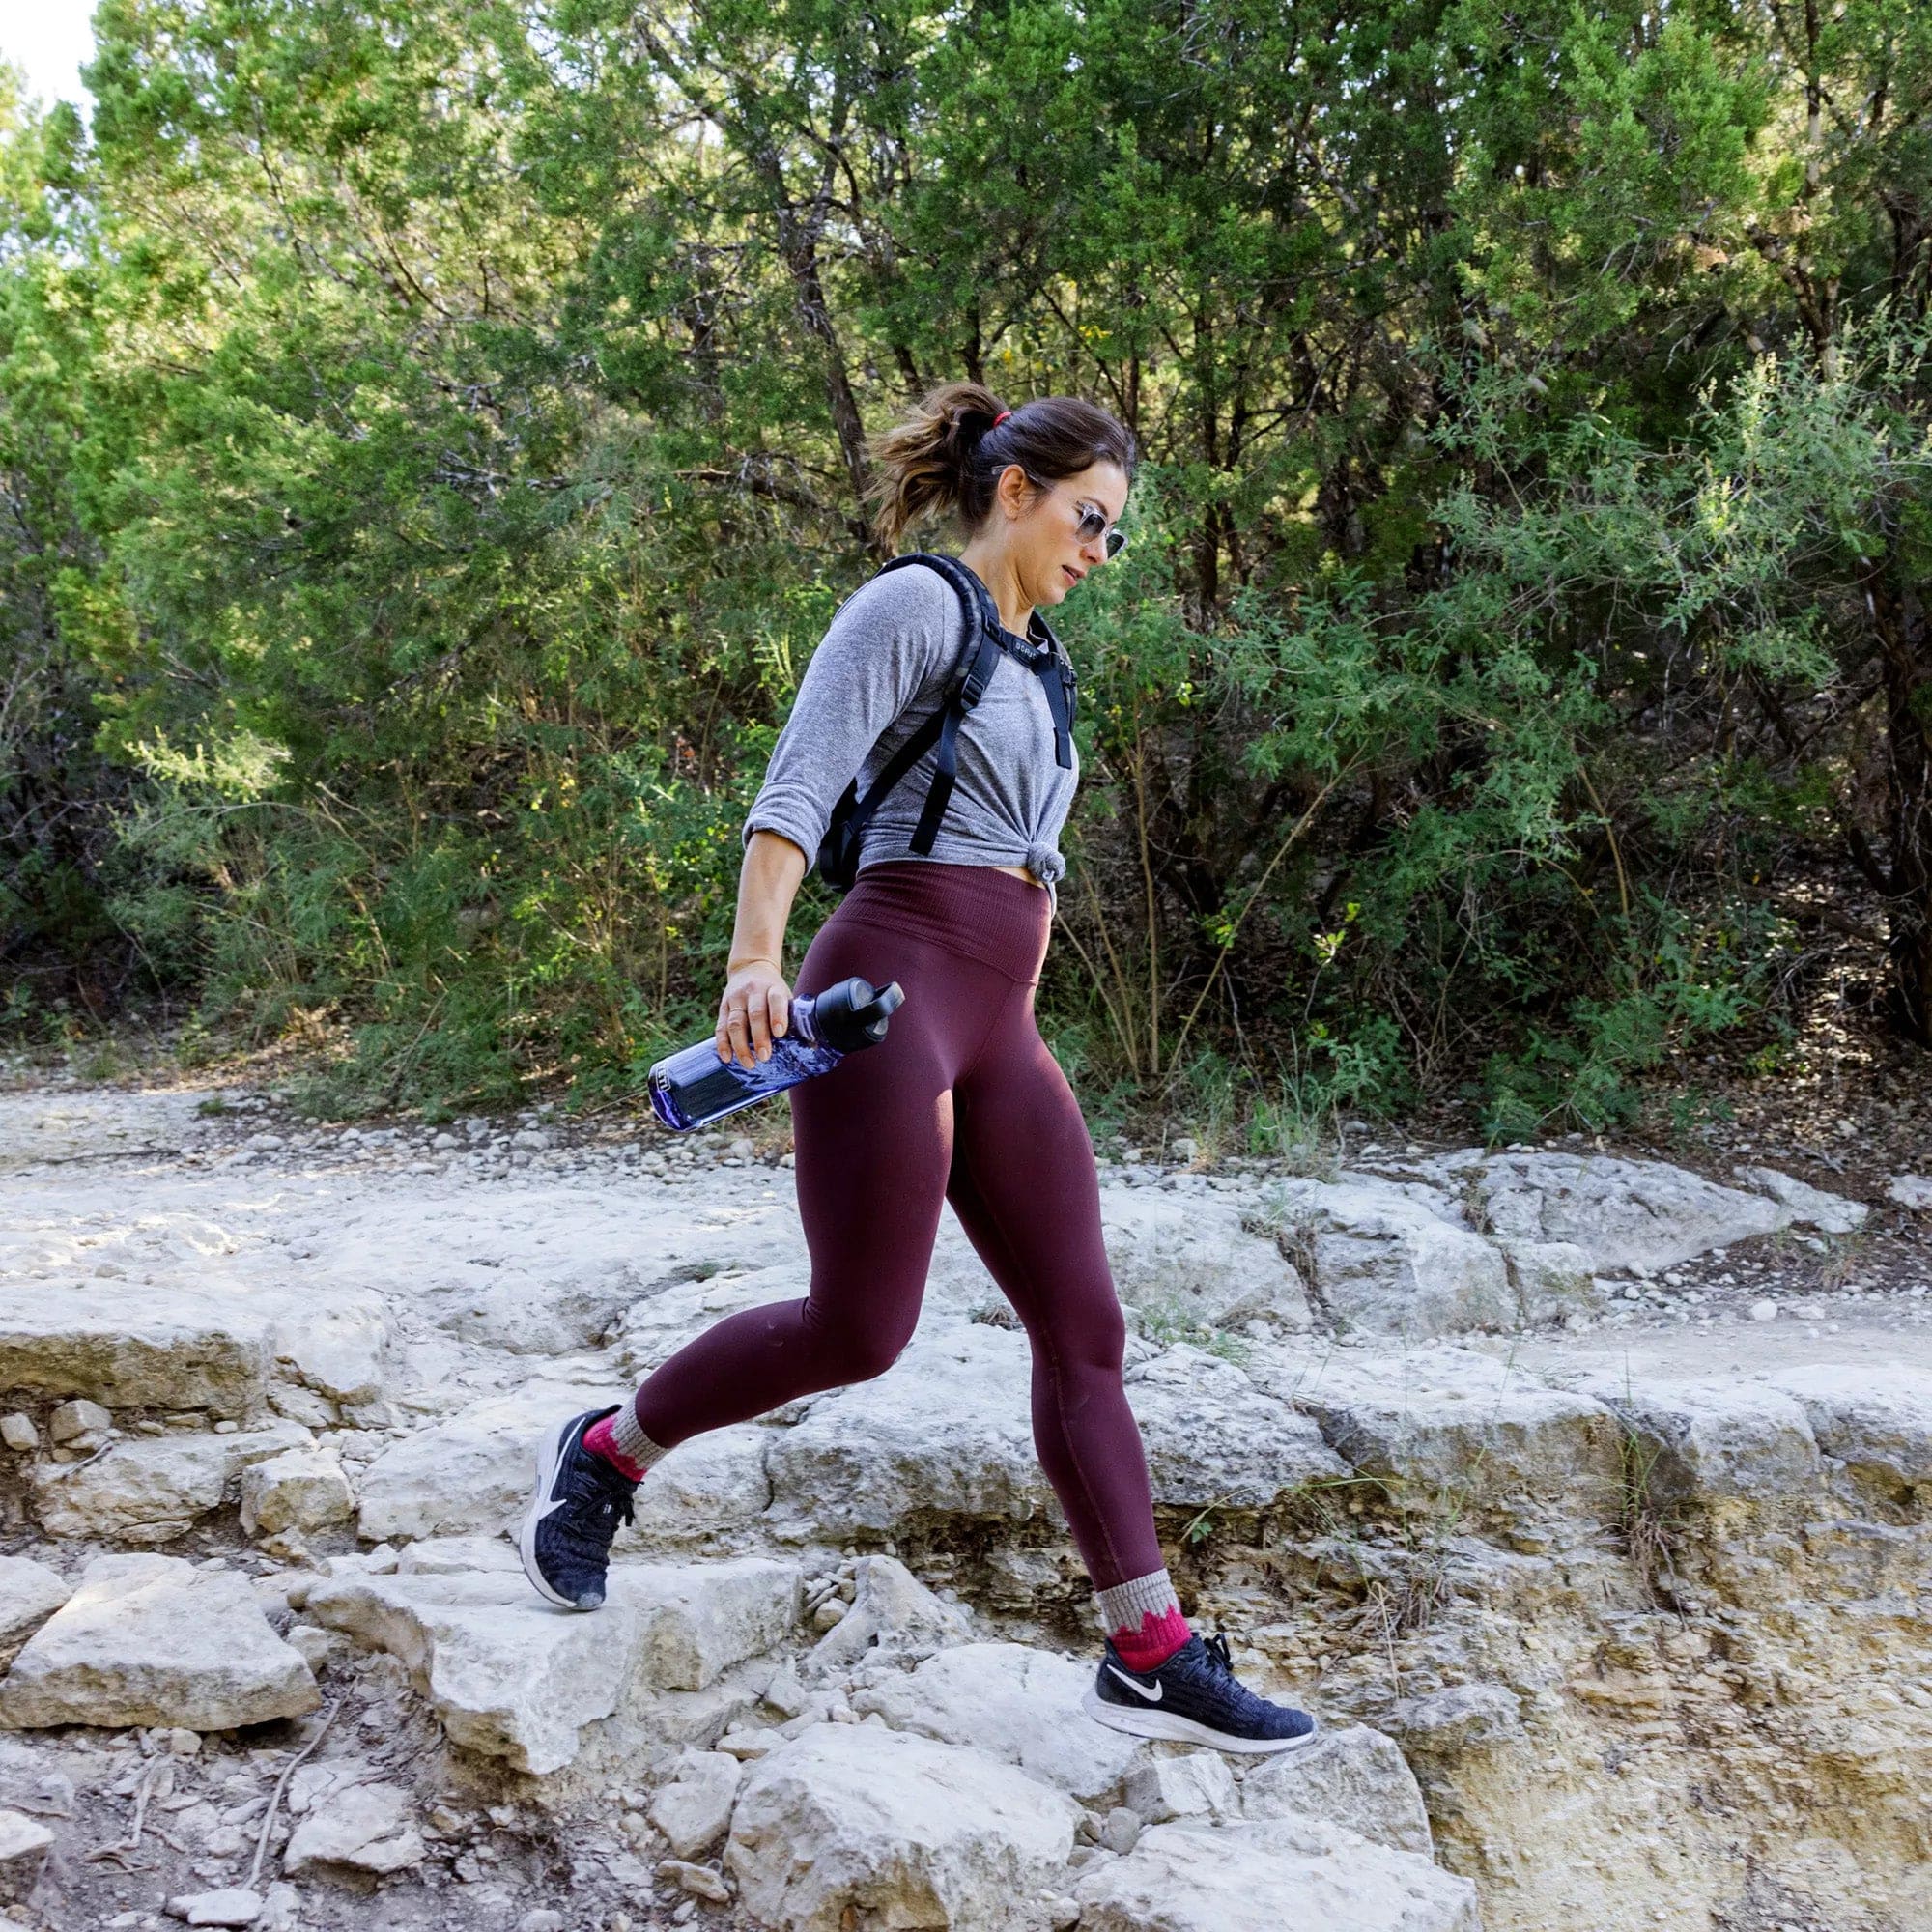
column 1092, row 521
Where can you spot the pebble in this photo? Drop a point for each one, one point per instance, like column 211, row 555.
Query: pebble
column 1764, row 1311
column 21, row 1836
column 234, row 1905
column 76, row 1418
column 699, row 1880
column 544, row 1918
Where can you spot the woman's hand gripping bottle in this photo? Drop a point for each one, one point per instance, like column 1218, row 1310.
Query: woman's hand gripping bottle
column 693, row 1088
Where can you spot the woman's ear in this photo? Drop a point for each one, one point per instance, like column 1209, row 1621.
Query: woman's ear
column 1012, row 490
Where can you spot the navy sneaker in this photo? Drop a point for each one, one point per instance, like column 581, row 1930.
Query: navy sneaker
column 1196, row 1697
column 576, row 1504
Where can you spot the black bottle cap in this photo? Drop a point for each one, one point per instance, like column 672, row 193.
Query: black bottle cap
column 854, row 1013
column 878, row 1009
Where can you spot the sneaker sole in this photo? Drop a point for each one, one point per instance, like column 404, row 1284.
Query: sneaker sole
column 549, row 1454
column 1171, row 1724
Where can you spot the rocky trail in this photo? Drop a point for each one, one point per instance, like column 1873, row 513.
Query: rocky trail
column 1582, row 1496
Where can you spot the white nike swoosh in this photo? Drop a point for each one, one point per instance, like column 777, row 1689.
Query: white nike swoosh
column 1152, row 1697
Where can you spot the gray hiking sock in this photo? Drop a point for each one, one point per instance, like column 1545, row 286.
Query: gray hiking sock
column 1123, row 1605
column 630, row 1441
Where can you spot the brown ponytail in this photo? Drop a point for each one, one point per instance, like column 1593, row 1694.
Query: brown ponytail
column 948, row 455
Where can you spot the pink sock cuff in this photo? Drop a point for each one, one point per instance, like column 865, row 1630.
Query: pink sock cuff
column 603, row 1439
column 1158, row 1638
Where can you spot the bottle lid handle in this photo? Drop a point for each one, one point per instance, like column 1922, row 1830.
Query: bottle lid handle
column 879, row 1009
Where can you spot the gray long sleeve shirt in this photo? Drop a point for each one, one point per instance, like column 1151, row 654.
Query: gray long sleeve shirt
column 882, row 668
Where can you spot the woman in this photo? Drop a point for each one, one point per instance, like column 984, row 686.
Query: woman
column 962, row 1101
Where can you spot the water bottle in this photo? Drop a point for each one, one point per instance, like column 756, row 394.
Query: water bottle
column 693, row 1087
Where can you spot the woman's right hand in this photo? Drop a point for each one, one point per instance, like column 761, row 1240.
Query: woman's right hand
column 755, row 1010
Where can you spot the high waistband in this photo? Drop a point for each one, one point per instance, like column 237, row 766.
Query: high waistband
column 977, row 912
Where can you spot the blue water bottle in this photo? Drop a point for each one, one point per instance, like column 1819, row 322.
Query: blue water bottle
column 693, row 1086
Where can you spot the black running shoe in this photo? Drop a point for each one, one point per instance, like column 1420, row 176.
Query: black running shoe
column 576, row 1504
column 1196, row 1697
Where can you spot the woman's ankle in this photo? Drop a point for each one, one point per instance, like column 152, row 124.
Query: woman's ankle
column 601, row 1439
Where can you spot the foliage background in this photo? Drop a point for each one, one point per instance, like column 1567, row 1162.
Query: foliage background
column 432, row 440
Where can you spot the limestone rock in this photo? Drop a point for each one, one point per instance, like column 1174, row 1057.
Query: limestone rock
column 705, row 1488
column 1259, row 1875
column 1354, row 1778
column 233, row 1904
column 1014, row 1702
column 948, row 1433
column 22, row 1839
column 151, row 1489
column 699, row 1619
column 1194, row 1785
column 1455, row 1425
column 470, row 1472
column 1464, row 1717
column 457, row 1556
column 1393, row 1259
column 216, row 1347
column 1213, row 1436
column 72, row 1420
column 1830, row 1213
column 30, row 1593
column 896, row 1829
column 1876, row 1420
column 694, row 1811
column 945, row 1433
column 367, row 1827
column 1910, row 1190
column 891, row 1612
column 152, row 1640
column 1622, row 1214
column 700, row 1881
column 300, row 1490
column 511, row 1677
column 1713, row 1438
column 506, row 1674
column 320, row 1649
column 1551, row 1280
column 1164, row 1249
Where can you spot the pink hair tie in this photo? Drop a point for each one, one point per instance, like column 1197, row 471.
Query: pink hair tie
column 1001, row 417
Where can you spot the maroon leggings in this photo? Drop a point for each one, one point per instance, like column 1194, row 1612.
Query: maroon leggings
column 962, row 1101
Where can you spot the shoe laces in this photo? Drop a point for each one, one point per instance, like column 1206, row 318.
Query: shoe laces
column 1220, row 1664
column 597, row 1495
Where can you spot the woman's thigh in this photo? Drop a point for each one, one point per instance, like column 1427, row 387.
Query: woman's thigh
column 1028, row 1194
column 873, row 1138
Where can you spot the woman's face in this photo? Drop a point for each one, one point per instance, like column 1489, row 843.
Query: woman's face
column 1042, row 528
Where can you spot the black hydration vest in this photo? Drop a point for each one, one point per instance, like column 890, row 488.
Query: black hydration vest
column 986, row 639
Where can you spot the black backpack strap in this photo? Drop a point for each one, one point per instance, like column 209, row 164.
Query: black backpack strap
column 1063, row 694
column 1069, row 679
column 980, row 675
column 972, row 672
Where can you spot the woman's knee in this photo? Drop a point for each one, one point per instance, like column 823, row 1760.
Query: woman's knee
column 1093, row 1337
column 858, row 1349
